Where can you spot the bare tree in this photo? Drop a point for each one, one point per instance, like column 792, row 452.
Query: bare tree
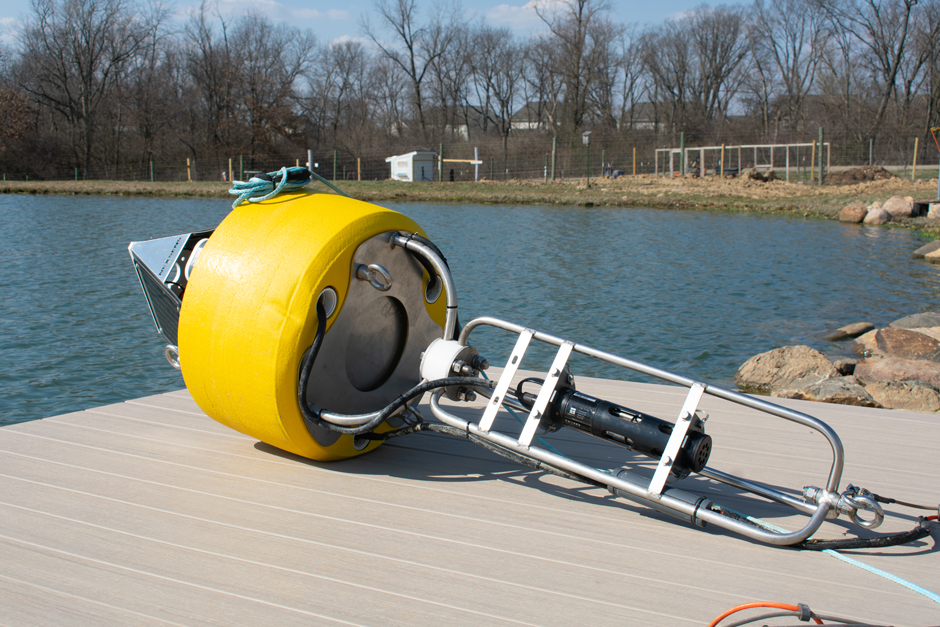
column 211, row 65
column 787, row 43
column 271, row 58
column 882, row 30
column 694, row 65
column 581, row 34
column 498, row 68
column 421, row 45
column 74, row 52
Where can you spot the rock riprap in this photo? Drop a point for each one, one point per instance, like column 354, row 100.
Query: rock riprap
column 840, row 390
column 853, row 212
column 780, row 367
column 898, row 368
column 850, row 331
column 909, row 395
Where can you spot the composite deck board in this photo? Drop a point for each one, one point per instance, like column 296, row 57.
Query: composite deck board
column 148, row 512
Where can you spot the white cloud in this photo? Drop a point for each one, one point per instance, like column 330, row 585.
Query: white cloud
column 338, row 14
column 514, row 17
column 9, row 28
column 344, row 38
column 524, row 17
column 306, row 14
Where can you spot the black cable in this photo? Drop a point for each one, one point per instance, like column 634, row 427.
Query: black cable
column 922, row 530
column 885, row 499
column 306, row 368
column 520, row 395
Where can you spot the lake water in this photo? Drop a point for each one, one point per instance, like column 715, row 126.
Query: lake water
column 693, row 292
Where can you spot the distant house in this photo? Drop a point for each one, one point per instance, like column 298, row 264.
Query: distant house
column 413, row 167
column 530, row 117
column 642, row 117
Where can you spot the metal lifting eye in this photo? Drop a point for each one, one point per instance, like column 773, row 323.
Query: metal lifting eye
column 377, row 276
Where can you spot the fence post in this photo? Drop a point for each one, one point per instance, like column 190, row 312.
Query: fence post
column 241, row 167
column 682, row 153
column 440, row 165
column 335, row 155
column 189, row 174
column 812, row 162
column 914, row 167
column 634, row 161
column 821, row 144
column 230, row 173
column 358, row 168
column 603, row 162
column 554, row 155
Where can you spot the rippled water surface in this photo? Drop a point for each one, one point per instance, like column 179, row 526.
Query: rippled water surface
column 693, row 292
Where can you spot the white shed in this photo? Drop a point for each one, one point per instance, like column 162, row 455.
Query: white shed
column 414, row 166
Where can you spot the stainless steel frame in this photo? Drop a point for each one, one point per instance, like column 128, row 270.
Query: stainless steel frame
column 819, row 503
column 825, row 503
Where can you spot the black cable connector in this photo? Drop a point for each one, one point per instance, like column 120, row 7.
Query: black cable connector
column 922, row 530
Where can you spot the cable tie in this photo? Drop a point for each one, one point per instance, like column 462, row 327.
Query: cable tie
column 805, row 613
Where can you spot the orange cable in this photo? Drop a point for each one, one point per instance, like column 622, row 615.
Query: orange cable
column 747, row 606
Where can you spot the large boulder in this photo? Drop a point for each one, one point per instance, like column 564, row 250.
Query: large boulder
column 905, row 343
column 866, row 344
column 893, row 369
column 850, row 331
column 853, row 212
column 909, row 395
column 916, row 321
column 839, row 390
column 778, row 368
column 933, row 332
column 933, row 211
column 899, row 207
column 921, row 252
column 933, row 257
column 877, row 216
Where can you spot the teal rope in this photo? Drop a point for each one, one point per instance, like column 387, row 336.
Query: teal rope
column 904, row 582
column 877, row 571
column 257, row 189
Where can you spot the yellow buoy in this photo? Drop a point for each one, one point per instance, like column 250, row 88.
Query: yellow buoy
column 249, row 312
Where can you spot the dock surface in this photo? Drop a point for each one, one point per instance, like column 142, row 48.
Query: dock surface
column 149, row 513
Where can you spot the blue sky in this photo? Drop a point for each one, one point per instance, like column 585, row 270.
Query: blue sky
column 341, row 20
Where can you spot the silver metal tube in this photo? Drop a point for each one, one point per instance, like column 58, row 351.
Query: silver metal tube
column 759, row 489
column 838, row 452
column 450, row 288
column 343, row 420
column 716, row 518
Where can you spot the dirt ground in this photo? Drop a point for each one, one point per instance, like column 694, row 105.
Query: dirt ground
column 709, row 193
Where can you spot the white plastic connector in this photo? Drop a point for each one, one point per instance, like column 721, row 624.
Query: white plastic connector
column 438, row 360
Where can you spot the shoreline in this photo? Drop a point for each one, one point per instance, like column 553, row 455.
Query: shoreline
column 656, row 192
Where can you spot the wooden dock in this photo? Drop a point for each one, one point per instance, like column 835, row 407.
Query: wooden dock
column 149, row 513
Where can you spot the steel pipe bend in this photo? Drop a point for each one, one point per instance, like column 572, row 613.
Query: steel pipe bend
column 248, row 316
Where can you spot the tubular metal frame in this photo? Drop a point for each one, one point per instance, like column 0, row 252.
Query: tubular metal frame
column 657, row 494
column 824, row 503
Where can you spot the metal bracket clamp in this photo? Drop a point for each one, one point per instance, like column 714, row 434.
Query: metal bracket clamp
column 679, row 431
column 545, row 393
column 502, row 386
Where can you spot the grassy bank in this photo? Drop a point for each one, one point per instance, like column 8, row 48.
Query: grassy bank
column 642, row 191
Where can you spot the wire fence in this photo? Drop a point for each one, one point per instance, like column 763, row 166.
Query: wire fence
column 529, row 158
